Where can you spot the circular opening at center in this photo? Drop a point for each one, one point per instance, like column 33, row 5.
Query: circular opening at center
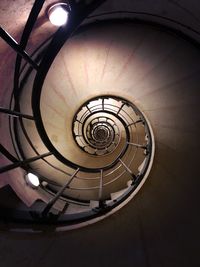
column 101, row 133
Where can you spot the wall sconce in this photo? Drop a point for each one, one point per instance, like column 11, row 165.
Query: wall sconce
column 59, row 13
column 32, row 180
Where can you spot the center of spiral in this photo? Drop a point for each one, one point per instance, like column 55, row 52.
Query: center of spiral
column 99, row 124
column 101, row 134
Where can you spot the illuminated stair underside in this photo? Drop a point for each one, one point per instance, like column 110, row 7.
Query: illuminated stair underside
column 95, row 100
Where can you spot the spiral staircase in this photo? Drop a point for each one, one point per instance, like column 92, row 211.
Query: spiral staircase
column 98, row 108
column 90, row 159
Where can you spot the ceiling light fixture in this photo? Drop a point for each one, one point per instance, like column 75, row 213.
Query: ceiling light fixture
column 32, row 180
column 59, row 13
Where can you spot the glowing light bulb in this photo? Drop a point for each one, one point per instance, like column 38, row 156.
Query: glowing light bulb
column 59, row 14
column 32, row 180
